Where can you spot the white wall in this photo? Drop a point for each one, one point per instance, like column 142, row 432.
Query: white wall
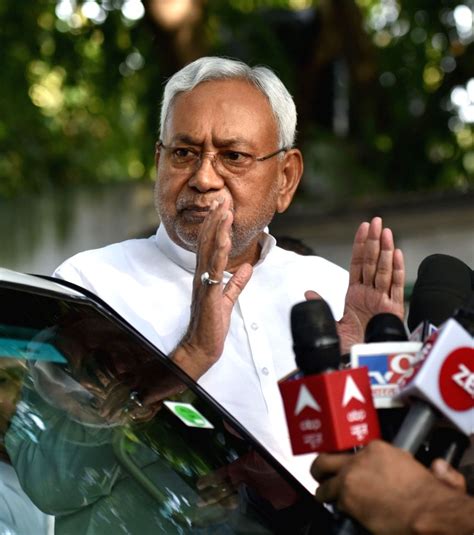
column 38, row 233
column 421, row 228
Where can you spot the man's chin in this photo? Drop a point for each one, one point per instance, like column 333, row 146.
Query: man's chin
column 188, row 240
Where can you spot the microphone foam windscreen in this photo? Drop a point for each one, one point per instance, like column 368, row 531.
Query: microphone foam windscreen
column 315, row 338
column 385, row 327
column 443, row 285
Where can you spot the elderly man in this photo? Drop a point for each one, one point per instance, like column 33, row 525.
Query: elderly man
column 211, row 288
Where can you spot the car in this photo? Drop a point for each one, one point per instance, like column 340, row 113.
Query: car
column 105, row 435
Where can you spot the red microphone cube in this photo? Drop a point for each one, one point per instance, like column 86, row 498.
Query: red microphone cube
column 330, row 412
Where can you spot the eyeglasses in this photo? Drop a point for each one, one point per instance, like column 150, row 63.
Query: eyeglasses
column 225, row 162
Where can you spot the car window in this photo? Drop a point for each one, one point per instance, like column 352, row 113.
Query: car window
column 103, row 435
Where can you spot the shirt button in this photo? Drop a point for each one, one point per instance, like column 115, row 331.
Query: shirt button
column 265, row 371
column 254, row 326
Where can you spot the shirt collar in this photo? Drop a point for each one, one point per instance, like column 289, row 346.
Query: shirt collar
column 178, row 255
column 187, row 259
column 267, row 243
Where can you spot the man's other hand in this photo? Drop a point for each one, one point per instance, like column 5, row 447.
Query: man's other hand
column 376, row 282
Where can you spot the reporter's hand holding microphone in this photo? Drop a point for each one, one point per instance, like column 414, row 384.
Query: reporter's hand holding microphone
column 390, row 493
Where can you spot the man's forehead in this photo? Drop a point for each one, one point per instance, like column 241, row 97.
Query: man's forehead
column 218, row 141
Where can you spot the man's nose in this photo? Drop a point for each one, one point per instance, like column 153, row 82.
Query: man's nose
column 205, row 177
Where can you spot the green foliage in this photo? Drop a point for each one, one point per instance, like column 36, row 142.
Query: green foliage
column 80, row 96
column 418, row 138
column 72, row 109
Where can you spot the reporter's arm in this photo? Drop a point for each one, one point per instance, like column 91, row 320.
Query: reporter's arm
column 447, row 512
column 390, row 493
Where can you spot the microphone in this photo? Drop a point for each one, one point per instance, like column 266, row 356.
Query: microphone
column 326, row 409
column 388, row 355
column 442, row 383
column 442, row 378
column 385, row 327
column 443, row 284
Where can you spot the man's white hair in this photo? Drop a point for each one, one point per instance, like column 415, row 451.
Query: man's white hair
column 216, row 68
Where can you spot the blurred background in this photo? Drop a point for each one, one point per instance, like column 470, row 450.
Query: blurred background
column 384, row 91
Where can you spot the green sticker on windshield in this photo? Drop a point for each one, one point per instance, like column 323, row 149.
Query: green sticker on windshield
column 13, row 348
column 188, row 414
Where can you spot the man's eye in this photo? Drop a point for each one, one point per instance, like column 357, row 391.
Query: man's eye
column 236, row 158
column 182, row 154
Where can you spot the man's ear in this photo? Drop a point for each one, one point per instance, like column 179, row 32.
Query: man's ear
column 290, row 175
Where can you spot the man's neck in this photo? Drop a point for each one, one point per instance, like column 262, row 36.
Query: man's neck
column 251, row 256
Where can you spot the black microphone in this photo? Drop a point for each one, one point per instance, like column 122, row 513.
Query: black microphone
column 385, row 327
column 315, row 339
column 443, row 284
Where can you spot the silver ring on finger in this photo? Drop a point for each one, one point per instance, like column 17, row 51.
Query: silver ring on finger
column 207, row 281
column 134, row 399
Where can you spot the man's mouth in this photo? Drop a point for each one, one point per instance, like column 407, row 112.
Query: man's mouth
column 194, row 213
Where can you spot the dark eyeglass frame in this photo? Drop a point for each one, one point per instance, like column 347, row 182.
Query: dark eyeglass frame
column 214, row 154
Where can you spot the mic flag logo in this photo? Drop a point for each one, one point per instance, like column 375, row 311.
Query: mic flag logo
column 305, row 399
column 444, row 375
column 351, row 392
column 330, row 411
column 456, row 379
column 389, row 363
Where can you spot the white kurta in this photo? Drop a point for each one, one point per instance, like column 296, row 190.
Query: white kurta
column 149, row 283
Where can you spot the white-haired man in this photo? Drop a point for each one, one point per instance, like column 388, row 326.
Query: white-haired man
column 211, row 288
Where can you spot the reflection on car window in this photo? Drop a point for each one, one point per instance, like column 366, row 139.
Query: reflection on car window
column 18, row 514
column 108, row 437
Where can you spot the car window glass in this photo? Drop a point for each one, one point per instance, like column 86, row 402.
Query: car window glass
column 106, row 436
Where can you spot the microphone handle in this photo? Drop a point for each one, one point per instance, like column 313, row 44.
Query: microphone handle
column 416, row 426
column 447, row 443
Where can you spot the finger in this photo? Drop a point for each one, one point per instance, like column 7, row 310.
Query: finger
column 213, row 495
column 443, row 471
column 237, row 283
column 372, row 251
column 230, row 502
column 357, row 260
column 328, row 464
column 207, row 234
column 383, row 274
column 214, row 244
column 208, row 223
column 215, row 478
column 398, row 278
column 222, row 246
column 328, row 491
column 311, row 295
